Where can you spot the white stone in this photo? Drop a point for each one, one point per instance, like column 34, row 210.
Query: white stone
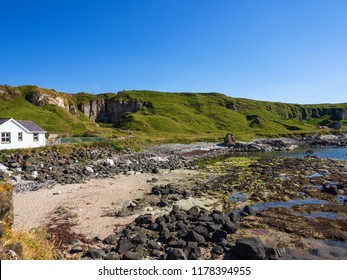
column 110, row 162
column 89, row 169
column 3, row 168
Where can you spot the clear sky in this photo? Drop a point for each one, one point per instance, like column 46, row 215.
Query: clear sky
column 277, row 50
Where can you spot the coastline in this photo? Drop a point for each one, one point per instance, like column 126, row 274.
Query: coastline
column 183, row 184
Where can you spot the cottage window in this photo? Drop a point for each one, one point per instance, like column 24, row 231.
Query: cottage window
column 36, row 137
column 5, row 137
column 20, row 136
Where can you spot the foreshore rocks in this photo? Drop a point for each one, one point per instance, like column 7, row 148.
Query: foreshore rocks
column 179, row 235
column 46, row 168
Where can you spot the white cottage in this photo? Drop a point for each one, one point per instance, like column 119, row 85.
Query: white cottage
column 21, row 134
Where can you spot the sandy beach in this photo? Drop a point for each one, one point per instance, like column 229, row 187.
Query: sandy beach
column 86, row 203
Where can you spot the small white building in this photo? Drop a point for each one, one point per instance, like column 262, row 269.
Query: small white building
column 21, row 134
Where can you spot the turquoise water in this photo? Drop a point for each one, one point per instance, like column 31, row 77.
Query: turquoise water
column 326, row 152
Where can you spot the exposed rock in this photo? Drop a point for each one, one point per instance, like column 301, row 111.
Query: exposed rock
column 176, row 254
column 124, row 245
column 110, row 110
column 250, row 249
column 248, row 210
column 95, row 254
column 229, row 139
column 195, row 237
column 330, row 188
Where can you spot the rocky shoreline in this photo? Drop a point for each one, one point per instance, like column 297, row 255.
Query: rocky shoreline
column 172, row 223
column 45, row 168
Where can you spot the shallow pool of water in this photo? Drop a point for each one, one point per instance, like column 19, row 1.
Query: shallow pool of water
column 238, row 197
column 315, row 175
column 287, row 204
column 325, row 152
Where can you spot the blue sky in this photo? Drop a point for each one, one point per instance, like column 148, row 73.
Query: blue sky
column 290, row 51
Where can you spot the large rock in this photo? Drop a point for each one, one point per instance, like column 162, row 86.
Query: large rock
column 250, row 249
column 330, row 188
column 110, row 110
column 229, row 139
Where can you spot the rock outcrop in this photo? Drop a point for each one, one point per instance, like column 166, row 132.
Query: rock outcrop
column 110, row 110
column 40, row 98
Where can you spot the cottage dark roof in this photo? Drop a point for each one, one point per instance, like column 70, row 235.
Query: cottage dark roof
column 3, row 120
column 31, row 126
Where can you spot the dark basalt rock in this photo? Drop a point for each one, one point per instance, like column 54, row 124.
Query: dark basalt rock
column 175, row 254
column 111, row 239
column 141, row 238
column 181, row 215
column 178, row 243
column 132, row 256
column 250, row 249
column 219, row 235
column 95, row 253
column 144, row 219
column 195, row 237
column 194, row 211
column 230, row 227
column 181, row 225
column 202, row 230
column 124, row 245
column 330, row 188
column 218, row 250
column 249, row 210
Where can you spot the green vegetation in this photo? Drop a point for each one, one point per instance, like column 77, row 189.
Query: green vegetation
column 173, row 117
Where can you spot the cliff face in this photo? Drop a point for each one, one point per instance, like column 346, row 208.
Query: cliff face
column 40, row 98
column 110, row 110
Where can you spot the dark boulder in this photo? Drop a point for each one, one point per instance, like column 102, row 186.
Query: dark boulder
column 132, row 256
column 181, row 225
column 141, row 238
column 124, row 245
column 177, row 243
column 175, row 254
column 250, row 249
column 202, row 230
column 219, row 235
column 181, row 215
column 195, row 237
column 111, row 239
column 112, row 256
column 230, row 227
column 249, row 210
column 217, row 250
column 144, row 219
column 330, row 188
column 95, row 253
column 194, row 211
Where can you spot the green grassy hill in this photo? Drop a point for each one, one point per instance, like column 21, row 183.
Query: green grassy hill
column 168, row 115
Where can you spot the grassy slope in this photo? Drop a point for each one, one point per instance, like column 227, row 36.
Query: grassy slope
column 207, row 115
column 172, row 115
column 52, row 118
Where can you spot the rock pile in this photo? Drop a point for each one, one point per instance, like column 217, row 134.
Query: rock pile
column 179, row 235
column 43, row 170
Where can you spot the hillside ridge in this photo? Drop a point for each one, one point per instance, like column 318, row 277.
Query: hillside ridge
column 166, row 113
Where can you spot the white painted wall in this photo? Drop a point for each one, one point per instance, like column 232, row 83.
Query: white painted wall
column 28, row 138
